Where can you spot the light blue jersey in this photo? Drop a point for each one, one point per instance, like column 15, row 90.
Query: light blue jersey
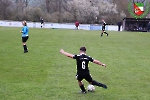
column 25, row 31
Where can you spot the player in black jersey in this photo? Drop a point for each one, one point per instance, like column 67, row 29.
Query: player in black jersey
column 42, row 22
column 103, row 28
column 83, row 72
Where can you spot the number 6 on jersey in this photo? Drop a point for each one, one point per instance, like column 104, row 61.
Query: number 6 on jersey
column 83, row 65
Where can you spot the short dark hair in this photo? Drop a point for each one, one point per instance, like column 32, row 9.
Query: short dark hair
column 83, row 49
column 25, row 23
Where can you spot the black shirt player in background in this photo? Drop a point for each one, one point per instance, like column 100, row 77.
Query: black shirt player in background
column 148, row 27
column 119, row 25
column 83, row 72
column 42, row 22
column 103, row 28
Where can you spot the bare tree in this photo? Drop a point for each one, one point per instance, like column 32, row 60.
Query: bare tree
column 82, row 10
column 56, row 7
column 25, row 2
column 122, row 6
column 85, row 11
column 5, row 9
column 22, row 3
column 92, row 11
column 148, row 15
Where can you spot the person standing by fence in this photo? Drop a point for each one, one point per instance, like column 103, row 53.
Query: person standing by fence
column 77, row 25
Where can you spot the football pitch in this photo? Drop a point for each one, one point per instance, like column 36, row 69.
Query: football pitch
column 45, row 74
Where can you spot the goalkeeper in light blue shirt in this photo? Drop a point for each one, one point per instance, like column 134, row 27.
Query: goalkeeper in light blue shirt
column 25, row 35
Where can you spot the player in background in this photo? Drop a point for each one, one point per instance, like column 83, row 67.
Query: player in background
column 82, row 61
column 103, row 28
column 25, row 35
column 77, row 25
column 148, row 27
column 42, row 22
column 119, row 25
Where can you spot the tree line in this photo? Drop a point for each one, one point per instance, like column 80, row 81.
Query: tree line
column 65, row 11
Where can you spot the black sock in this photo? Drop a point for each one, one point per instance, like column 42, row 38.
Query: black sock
column 106, row 33
column 98, row 84
column 82, row 88
column 101, row 34
column 25, row 47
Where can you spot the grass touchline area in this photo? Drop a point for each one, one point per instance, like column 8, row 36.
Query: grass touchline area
column 44, row 74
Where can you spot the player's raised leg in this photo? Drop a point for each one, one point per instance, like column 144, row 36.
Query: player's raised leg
column 98, row 84
column 106, row 33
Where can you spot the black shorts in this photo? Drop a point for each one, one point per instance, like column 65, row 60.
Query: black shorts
column 86, row 76
column 24, row 39
column 103, row 29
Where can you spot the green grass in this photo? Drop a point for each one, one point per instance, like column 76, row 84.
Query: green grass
column 44, row 74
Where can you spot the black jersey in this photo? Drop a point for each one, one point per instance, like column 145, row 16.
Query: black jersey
column 82, row 62
column 103, row 26
column 42, row 21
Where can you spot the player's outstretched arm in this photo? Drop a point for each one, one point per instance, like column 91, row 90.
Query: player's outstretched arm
column 99, row 63
column 66, row 53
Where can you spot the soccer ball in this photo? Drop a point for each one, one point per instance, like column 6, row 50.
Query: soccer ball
column 90, row 88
